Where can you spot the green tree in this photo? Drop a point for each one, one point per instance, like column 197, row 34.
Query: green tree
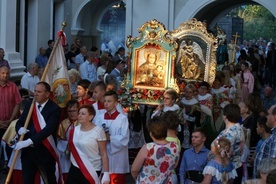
column 258, row 21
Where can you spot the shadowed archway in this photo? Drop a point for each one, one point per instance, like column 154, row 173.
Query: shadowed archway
column 212, row 11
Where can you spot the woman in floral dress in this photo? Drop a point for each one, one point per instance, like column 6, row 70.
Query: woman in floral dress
column 156, row 160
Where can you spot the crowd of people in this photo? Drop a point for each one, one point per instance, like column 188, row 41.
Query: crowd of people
column 202, row 135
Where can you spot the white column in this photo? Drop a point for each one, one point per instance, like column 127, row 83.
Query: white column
column 59, row 16
column 51, row 19
column 161, row 10
column 8, row 37
column 40, row 27
column 22, row 29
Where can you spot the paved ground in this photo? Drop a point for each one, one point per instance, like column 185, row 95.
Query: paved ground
column 129, row 179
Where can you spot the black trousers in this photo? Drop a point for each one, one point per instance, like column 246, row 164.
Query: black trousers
column 75, row 176
column 30, row 165
column 238, row 179
column 271, row 78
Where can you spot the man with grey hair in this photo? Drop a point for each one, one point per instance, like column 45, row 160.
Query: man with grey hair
column 271, row 177
column 266, row 165
column 30, row 79
column 268, row 148
column 3, row 62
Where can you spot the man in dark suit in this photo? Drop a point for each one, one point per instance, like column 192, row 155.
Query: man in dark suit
column 35, row 155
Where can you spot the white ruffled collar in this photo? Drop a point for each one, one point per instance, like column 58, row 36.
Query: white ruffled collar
column 216, row 91
column 214, row 172
column 172, row 108
column 204, row 97
column 189, row 102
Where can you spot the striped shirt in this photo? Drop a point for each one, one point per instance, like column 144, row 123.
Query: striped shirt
column 9, row 97
column 267, row 150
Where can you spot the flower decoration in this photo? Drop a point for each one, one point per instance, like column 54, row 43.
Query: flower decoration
column 143, row 95
column 182, row 87
column 148, row 95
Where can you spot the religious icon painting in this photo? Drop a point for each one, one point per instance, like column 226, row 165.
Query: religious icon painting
column 151, row 64
column 151, row 67
column 196, row 54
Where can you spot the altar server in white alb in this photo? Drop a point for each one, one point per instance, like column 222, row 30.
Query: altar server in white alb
column 98, row 95
column 116, row 128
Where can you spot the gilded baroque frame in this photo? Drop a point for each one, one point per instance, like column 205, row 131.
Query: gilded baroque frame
column 194, row 42
column 151, row 65
column 181, row 56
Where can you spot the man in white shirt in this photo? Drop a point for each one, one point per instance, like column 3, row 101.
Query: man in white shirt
column 30, row 79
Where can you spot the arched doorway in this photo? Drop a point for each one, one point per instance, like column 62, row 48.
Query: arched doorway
column 212, row 11
column 90, row 22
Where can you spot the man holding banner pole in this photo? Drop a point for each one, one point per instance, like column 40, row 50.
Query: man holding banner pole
column 40, row 137
column 40, row 120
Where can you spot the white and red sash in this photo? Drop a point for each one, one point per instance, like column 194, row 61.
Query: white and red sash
column 49, row 143
column 83, row 162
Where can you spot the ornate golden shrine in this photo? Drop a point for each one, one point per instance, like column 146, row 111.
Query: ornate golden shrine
column 196, row 56
column 150, row 69
column 162, row 59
